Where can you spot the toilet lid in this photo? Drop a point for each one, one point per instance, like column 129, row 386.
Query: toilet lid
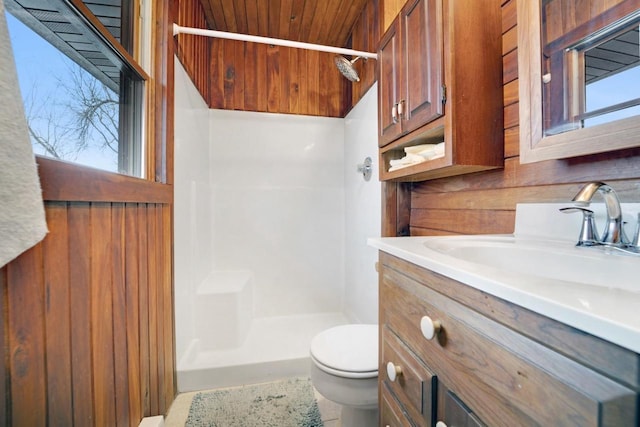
column 347, row 348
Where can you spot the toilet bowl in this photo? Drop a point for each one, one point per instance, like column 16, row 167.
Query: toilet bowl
column 344, row 369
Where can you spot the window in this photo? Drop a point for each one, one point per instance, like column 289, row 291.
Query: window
column 83, row 93
column 612, row 70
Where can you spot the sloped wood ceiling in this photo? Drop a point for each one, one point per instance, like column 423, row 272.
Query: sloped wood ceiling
column 327, row 22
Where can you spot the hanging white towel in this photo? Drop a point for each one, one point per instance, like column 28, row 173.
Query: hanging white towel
column 22, row 217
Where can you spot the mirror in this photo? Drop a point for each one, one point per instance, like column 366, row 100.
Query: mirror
column 579, row 69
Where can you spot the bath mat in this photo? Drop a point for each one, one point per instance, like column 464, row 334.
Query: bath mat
column 288, row 403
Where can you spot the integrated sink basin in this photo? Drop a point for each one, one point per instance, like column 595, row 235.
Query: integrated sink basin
column 539, row 267
column 544, row 259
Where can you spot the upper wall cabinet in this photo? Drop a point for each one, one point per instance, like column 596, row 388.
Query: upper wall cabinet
column 579, row 74
column 411, row 92
column 440, row 80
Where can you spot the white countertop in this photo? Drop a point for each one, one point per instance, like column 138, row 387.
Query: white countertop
column 609, row 313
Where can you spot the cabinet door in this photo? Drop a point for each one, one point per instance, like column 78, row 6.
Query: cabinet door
column 422, row 44
column 457, row 414
column 390, row 126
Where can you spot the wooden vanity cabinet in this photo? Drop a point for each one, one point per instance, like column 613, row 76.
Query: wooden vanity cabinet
column 440, row 79
column 493, row 363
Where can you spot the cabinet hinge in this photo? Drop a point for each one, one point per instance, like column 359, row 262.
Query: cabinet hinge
column 444, row 94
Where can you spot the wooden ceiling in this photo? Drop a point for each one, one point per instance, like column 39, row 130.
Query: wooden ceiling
column 327, row 22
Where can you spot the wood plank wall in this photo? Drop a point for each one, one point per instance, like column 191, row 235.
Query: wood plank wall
column 257, row 77
column 245, row 76
column 87, row 314
column 365, row 36
column 194, row 51
column 88, row 318
column 485, row 202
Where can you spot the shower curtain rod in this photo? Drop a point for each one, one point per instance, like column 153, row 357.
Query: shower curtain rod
column 177, row 29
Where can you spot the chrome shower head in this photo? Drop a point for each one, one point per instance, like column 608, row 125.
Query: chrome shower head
column 346, row 67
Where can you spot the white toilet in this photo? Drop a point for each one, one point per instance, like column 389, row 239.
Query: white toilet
column 344, row 369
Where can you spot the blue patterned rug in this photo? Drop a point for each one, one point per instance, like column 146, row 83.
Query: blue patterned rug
column 288, row 403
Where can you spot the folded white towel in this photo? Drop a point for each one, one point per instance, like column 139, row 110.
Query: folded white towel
column 433, row 152
column 417, row 154
column 415, row 149
column 22, row 217
column 409, row 159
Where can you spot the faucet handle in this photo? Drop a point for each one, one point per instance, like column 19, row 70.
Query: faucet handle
column 588, row 233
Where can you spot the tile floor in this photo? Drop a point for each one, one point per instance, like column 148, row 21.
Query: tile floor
column 179, row 410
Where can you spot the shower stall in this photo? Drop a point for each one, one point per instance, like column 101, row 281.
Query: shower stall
column 271, row 221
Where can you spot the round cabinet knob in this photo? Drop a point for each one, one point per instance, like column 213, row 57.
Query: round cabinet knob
column 393, row 371
column 429, row 328
column 441, row 424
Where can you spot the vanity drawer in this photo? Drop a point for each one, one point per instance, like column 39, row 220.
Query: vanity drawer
column 491, row 366
column 391, row 414
column 408, row 379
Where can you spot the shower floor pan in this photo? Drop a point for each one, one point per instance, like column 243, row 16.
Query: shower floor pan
column 275, row 347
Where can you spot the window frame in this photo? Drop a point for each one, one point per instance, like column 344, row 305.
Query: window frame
column 535, row 146
column 65, row 181
column 564, row 97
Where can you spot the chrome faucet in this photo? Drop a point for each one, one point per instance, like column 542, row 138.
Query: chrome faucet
column 613, row 234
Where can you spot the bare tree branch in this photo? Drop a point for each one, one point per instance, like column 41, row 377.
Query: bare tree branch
column 95, row 108
column 46, row 129
column 88, row 116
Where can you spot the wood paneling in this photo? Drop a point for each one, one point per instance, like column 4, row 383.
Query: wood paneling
column 256, row 77
column 57, row 318
column 26, row 352
column 510, row 66
column 509, row 18
column 510, row 93
column 5, row 398
column 78, row 215
column 365, row 36
column 75, row 342
column 565, row 16
column 389, row 11
column 235, row 75
column 485, row 202
column 326, row 22
column 193, row 51
column 87, row 314
column 395, row 209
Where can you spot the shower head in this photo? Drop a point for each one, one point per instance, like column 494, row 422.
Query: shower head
column 346, row 67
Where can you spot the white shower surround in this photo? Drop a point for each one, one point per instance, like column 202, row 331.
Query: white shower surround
column 278, row 207
column 271, row 194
